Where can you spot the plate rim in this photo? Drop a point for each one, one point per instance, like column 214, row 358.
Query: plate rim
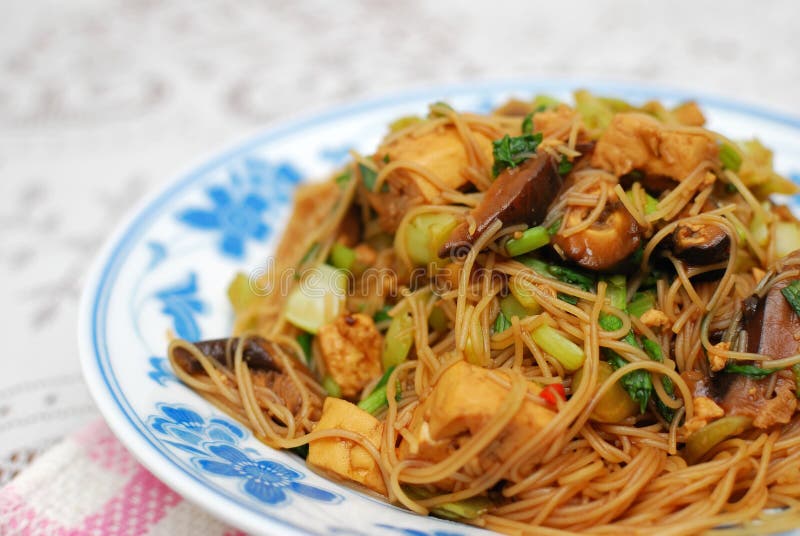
column 126, row 231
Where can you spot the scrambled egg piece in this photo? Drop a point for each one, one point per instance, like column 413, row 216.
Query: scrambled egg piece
column 351, row 349
column 705, row 411
column 636, row 141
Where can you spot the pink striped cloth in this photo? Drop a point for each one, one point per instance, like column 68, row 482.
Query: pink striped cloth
column 89, row 484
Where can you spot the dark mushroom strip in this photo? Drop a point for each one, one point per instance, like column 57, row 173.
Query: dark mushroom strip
column 772, row 326
column 700, row 244
column 266, row 370
column 518, row 195
column 255, row 354
column 607, row 243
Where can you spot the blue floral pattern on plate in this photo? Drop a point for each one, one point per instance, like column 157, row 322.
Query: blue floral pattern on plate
column 161, row 372
column 214, row 443
column 237, row 209
column 180, row 301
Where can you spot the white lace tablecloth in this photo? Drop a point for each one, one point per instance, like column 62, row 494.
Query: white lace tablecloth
column 103, row 101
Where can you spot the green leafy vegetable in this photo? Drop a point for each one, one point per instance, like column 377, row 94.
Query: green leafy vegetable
column 464, row 509
column 398, row 340
column 312, row 251
column 527, row 124
column 301, row 451
column 383, row 314
column 637, row 383
column 531, row 239
column 796, row 371
column 730, row 157
column 304, row 340
column 368, row 176
column 501, row 323
column 573, row 277
column 572, row 300
column 751, row 371
column 792, row 294
column 510, row 152
column 343, row 179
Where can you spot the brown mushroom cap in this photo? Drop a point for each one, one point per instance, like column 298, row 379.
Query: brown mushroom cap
column 772, row 325
column 607, row 243
column 700, row 244
column 518, row 195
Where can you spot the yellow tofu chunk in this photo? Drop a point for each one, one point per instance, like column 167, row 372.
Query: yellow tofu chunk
column 636, row 141
column 342, row 457
column 463, row 402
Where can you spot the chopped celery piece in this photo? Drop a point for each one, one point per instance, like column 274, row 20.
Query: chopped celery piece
column 616, row 291
column 569, row 354
column 531, row 239
column 317, row 299
column 522, row 290
column 376, row 400
column 787, row 238
column 538, row 266
column 398, row 340
column 712, row 434
column 331, row 387
column 239, row 292
column 609, row 322
column 792, row 294
column 342, row 257
column 425, row 235
column 501, row 323
column 304, row 340
column 730, row 157
column 511, row 307
column 641, row 303
column 554, row 227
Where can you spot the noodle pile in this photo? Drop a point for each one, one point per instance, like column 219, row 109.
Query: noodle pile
column 575, row 472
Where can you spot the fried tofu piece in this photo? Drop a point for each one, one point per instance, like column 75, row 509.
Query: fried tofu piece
column 351, row 348
column 342, row 457
column 636, row 141
column 441, row 152
column 465, row 400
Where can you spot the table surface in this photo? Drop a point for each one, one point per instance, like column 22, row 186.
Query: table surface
column 102, row 101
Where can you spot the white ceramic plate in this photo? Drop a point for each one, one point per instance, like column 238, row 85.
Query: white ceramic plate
column 167, row 267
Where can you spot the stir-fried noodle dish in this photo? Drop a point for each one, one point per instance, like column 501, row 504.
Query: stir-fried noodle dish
column 549, row 318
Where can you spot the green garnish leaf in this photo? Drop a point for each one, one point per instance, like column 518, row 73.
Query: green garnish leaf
column 301, row 451
column 510, row 152
column 386, row 158
column 751, row 371
column 792, row 294
column 564, row 166
column 730, row 157
column 641, row 303
column 343, row 179
column 368, row 176
column 527, row 124
column 376, row 400
column 383, row 314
